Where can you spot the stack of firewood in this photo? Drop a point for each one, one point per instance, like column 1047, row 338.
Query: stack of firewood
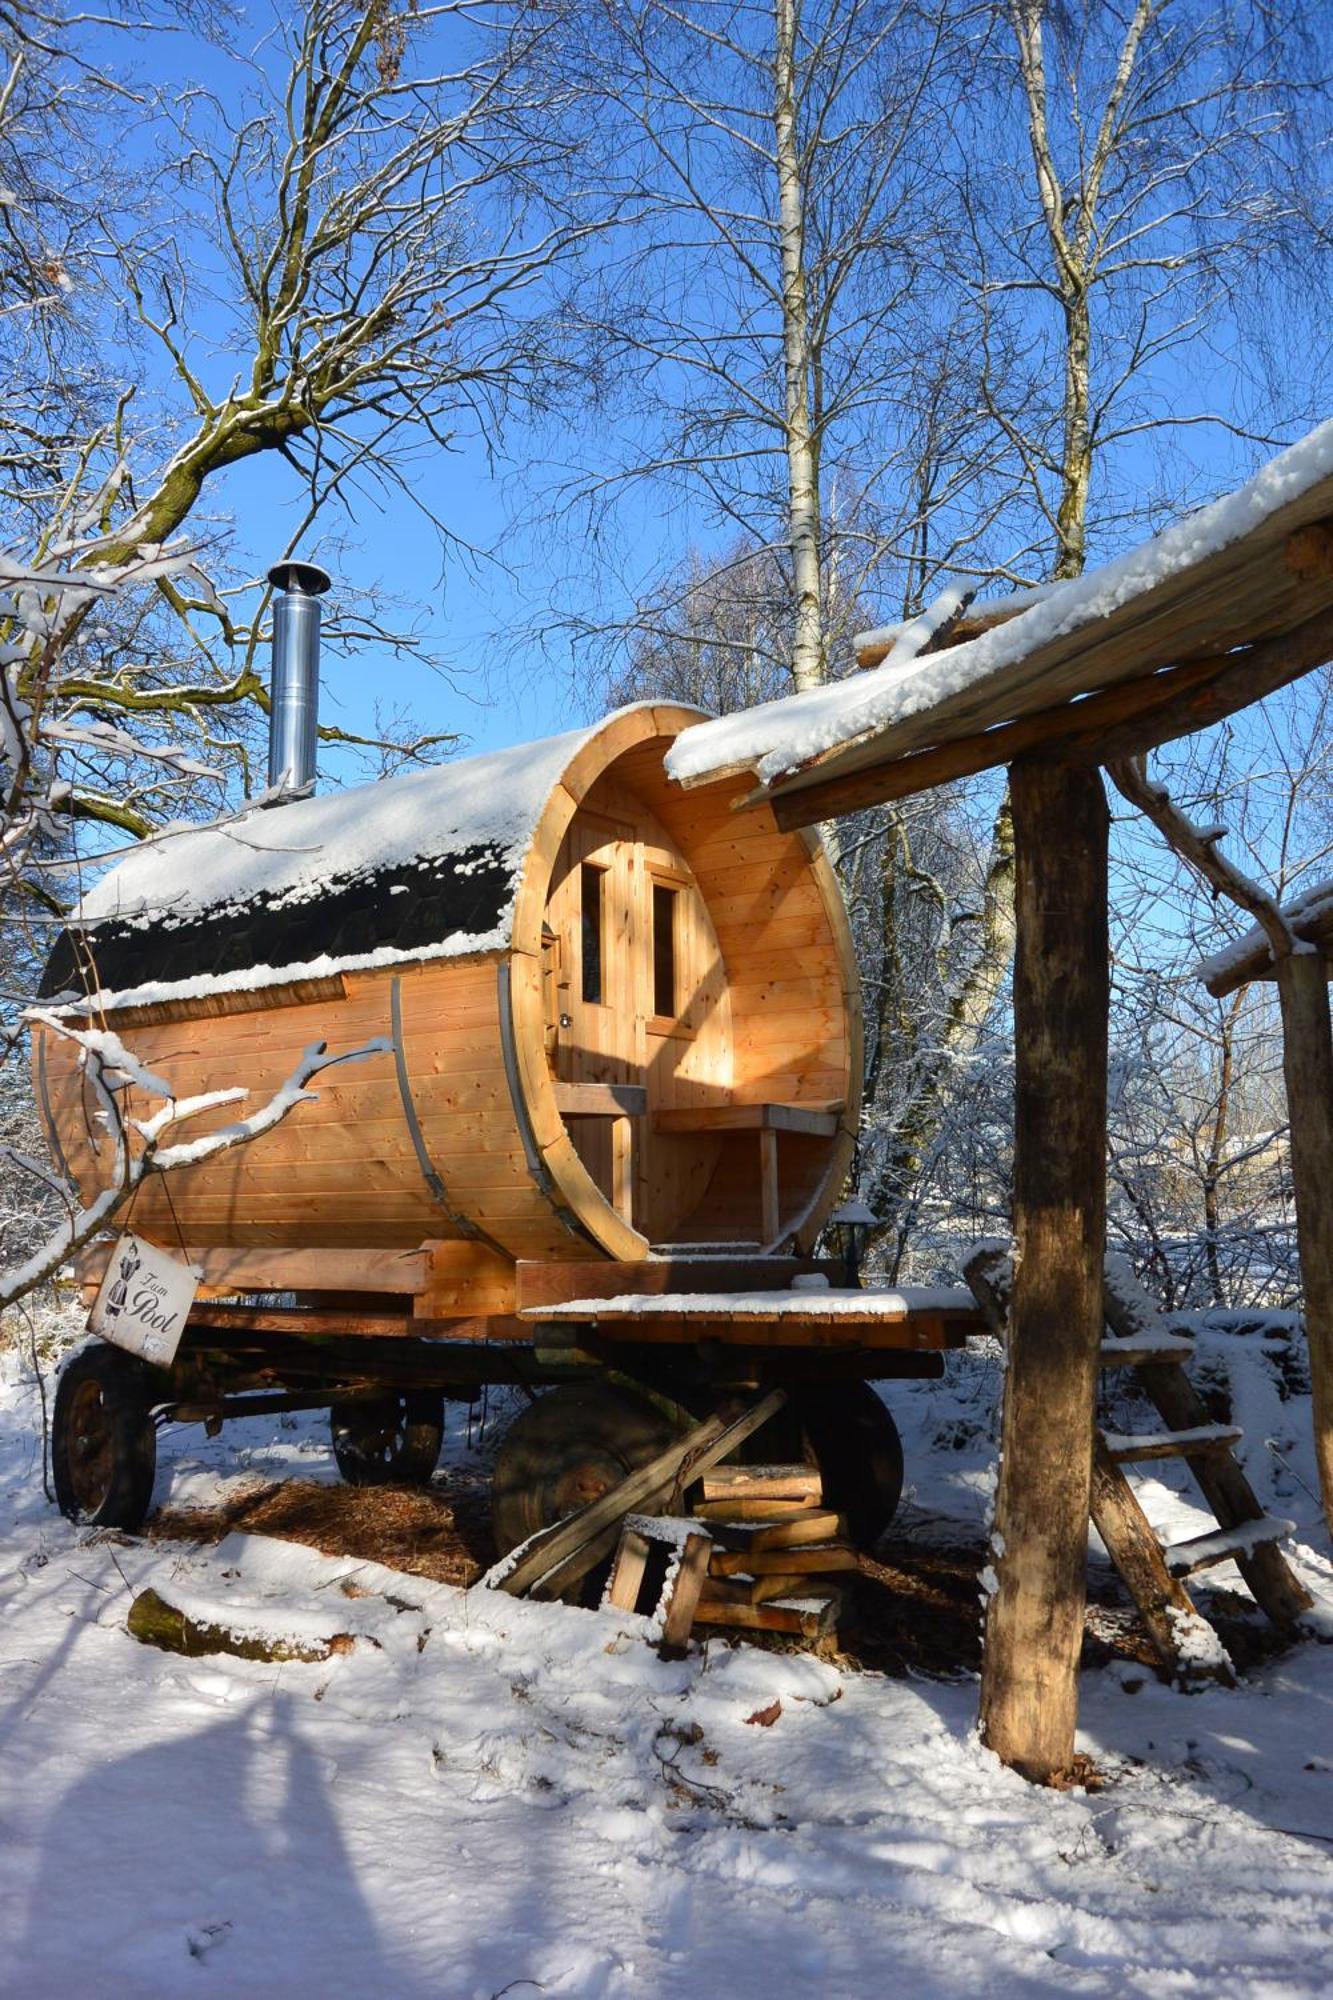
column 761, row 1553
column 777, row 1554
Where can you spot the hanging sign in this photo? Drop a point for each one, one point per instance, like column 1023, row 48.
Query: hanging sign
column 144, row 1300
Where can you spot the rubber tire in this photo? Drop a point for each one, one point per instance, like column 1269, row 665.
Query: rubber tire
column 121, row 1388
column 856, row 1445
column 358, row 1428
column 552, row 1437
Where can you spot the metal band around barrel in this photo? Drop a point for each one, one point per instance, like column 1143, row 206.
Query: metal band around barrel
column 429, row 1172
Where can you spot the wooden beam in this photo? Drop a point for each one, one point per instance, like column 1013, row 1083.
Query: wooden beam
column 1034, row 1626
column 601, row 1100
column 1051, row 729
column 815, row 1122
column 1121, row 721
column 1307, row 1058
column 543, row 1282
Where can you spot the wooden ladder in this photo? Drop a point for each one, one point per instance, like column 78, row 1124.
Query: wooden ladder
column 1154, row 1572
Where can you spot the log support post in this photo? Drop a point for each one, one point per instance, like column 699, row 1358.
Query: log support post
column 1034, row 1624
column 1307, row 1056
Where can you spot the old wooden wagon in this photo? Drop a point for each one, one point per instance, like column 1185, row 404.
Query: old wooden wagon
column 610, row 1100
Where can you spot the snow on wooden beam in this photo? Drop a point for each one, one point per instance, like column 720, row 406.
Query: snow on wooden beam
column 1121, row 721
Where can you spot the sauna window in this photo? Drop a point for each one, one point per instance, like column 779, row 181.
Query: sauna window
column 591, row 897
column 664, row 949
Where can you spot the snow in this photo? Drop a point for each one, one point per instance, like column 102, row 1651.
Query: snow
column 487, row 1794
column 1311, row 911
column 830, row 1303
column 292, row 854
column 1242, row 1540
column 779, row 737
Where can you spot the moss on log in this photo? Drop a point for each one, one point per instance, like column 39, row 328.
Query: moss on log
column 157, row 1623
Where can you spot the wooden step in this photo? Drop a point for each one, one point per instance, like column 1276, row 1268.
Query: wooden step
column 1144, row 1353
column 1224, row 1544
column 1203, row 1441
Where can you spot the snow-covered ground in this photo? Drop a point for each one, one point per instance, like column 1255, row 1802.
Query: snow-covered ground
column 485, row 1796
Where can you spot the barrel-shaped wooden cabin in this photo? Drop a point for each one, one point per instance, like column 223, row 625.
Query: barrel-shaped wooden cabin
column 615, row 1016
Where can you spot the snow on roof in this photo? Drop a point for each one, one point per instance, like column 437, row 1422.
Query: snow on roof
column 425, row 864
column 780, row 737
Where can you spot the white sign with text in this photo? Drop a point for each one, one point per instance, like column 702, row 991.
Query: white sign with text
column 144, row 1300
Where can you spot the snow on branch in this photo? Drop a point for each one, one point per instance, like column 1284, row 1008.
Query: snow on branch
column 109, row 1068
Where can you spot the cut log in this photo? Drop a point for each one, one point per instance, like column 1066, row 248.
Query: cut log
column 156, row 1623
column 761, row 1512
column 762, row 1482
column 685, row 1592
column 1034, row 1624
column 803, row 1620
column 626, row 1578
column 785, row 1562
column 820, row 1526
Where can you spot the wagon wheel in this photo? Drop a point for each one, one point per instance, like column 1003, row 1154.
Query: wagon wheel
column 103, row 1441
column 855, row 1443
column 568, row 1448
column 392, row 1441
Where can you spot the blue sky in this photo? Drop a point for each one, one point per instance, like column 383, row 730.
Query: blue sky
column 498, row 684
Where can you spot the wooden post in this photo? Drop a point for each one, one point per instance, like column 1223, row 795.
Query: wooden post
column 1034, row 1626
column 1307, row 1056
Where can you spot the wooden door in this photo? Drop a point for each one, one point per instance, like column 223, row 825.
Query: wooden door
column 594, row 920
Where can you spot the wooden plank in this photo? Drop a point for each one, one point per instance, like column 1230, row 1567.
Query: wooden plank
column 819, row 1123
column 770, row 1199
column 553, row 1282
column 1034, row 1622
column 601, row 1100
column 1195, row 1443
column 622, row 1168
column 567, row 1551
column 220, row 1006
column 685, row 1591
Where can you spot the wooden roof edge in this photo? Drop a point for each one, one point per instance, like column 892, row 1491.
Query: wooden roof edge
column 1124, row 720
column 1250, row 956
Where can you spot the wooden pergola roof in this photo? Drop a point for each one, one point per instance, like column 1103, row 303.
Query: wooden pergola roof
column 1224, row 607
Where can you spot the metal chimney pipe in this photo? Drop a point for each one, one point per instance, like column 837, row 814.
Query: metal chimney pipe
column 294, row 688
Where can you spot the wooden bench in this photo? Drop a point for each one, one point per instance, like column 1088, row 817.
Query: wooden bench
column 817, row 1121
column 621, row 1103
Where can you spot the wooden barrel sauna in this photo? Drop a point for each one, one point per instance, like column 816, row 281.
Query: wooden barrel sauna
column 616, row 1016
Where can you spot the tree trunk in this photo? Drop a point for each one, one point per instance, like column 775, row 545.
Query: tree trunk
column 1034, row 1628
column 803, row 522
column 1307, row 1055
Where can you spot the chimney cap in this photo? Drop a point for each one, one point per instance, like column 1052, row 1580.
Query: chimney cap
column 306, row 577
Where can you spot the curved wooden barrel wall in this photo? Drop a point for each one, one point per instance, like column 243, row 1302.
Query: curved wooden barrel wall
column 767, row 1013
